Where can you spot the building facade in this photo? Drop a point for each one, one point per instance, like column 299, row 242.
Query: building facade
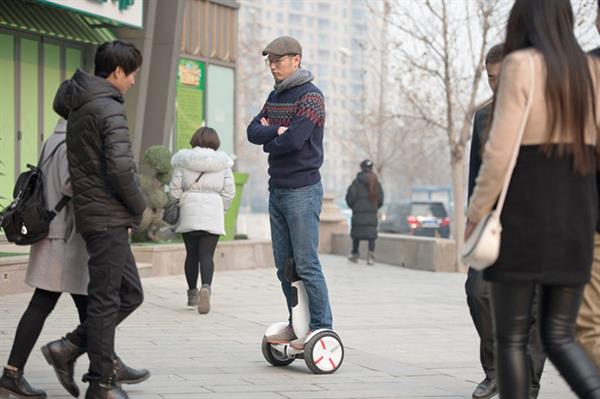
column 187, row 79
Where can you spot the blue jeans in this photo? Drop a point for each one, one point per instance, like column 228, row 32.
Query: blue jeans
column 294, row 215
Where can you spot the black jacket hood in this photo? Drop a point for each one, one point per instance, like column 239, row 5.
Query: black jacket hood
column 81, row 89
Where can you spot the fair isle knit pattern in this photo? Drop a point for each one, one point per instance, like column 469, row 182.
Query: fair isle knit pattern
column 311, row 105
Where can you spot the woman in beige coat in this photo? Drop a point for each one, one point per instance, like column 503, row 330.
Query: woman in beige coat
column 551, row 207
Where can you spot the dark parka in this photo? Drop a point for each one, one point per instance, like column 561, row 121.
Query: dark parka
column 106, row 191
column 364, row 212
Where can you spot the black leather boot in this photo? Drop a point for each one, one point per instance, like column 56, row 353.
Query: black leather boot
column 486, row 389
column 104, row 390
column 13, row 383
column 62, row 354
column 128, row 375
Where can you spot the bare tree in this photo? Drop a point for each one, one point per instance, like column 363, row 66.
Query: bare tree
column 438, row 64
column 397, row 142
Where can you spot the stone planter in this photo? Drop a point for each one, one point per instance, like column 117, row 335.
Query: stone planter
column 156, row 260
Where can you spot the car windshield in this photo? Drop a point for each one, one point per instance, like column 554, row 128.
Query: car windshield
column 434, row 209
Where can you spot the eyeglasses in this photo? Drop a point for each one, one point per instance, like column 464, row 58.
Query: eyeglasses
column 276, row 60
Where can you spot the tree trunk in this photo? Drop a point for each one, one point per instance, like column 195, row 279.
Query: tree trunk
column 458, row 188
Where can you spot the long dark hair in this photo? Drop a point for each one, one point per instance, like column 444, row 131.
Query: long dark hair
column 547, row 26
column 373, row 187
column 372, row 181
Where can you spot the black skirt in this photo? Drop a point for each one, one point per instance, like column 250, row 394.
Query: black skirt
column 548, row 222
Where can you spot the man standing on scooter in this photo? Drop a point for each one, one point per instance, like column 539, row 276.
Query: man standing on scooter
column 290, row 129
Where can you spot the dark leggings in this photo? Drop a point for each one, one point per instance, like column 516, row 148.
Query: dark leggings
column 558, row 310
column 356, row 242
column 30, row 327
column 200, row 249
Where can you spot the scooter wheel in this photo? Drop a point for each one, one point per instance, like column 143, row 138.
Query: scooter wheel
column 324, row 353
column 273, row 356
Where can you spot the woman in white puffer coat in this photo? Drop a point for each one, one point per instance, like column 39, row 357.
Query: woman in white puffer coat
column 203, row 183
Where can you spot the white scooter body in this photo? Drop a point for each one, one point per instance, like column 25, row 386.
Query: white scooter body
column 300, row 312
column 323, row 349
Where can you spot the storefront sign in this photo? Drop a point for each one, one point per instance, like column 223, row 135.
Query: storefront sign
column 121, row 12
column 189, row 103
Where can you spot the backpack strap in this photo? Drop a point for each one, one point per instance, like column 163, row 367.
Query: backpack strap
column 40, row 163
column 59, row 206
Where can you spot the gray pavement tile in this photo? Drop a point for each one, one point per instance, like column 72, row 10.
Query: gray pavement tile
column 410, row 336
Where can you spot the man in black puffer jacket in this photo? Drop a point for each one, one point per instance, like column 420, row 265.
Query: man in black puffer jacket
column 108, row 202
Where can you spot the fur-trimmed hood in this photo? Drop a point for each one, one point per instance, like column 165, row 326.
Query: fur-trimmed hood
column 201, row 159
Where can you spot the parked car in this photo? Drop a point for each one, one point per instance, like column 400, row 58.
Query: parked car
column 418, row 218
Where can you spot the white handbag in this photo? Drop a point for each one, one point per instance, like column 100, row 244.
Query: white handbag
column 483, row 246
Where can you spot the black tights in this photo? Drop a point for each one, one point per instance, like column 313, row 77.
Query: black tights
column 558, row 309
column 30, row 327
column 200, row 249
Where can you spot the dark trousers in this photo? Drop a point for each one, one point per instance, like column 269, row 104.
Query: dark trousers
column 30, row 326
column 356, row 243
column 558, row 309
column 200, row 249
column 114, row 292
column 480, row 306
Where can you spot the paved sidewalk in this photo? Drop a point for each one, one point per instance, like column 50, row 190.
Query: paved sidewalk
column 407, row 335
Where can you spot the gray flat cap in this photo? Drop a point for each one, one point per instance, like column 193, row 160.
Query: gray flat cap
column 283, row 45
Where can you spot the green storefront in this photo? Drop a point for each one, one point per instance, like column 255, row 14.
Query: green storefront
column 40, row 46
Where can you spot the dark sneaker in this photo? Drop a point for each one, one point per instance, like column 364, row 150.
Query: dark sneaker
column 298, row 343
column 193, row 297
column 128, row 375
column 485, row 390
column 353, row 258
column 283, row 337
column 204, row 302
column 12, row 383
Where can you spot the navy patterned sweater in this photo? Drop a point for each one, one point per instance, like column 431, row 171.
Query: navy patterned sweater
column 296, row 156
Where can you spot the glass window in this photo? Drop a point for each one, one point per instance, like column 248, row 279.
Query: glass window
column 295, row 19
column 324, row 7
column 323, row 71
column 357, row 13
column 357, row 89
column 356, row 74
column 324, row 23
column 296, row 33
column 323, row 55
column 297, row 5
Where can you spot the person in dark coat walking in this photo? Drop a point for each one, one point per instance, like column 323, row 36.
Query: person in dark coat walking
column 108, row 203
column 364, row 197
column 57, row 264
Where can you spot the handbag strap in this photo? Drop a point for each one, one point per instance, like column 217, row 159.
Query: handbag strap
column 515, row 154
column 195, row 181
